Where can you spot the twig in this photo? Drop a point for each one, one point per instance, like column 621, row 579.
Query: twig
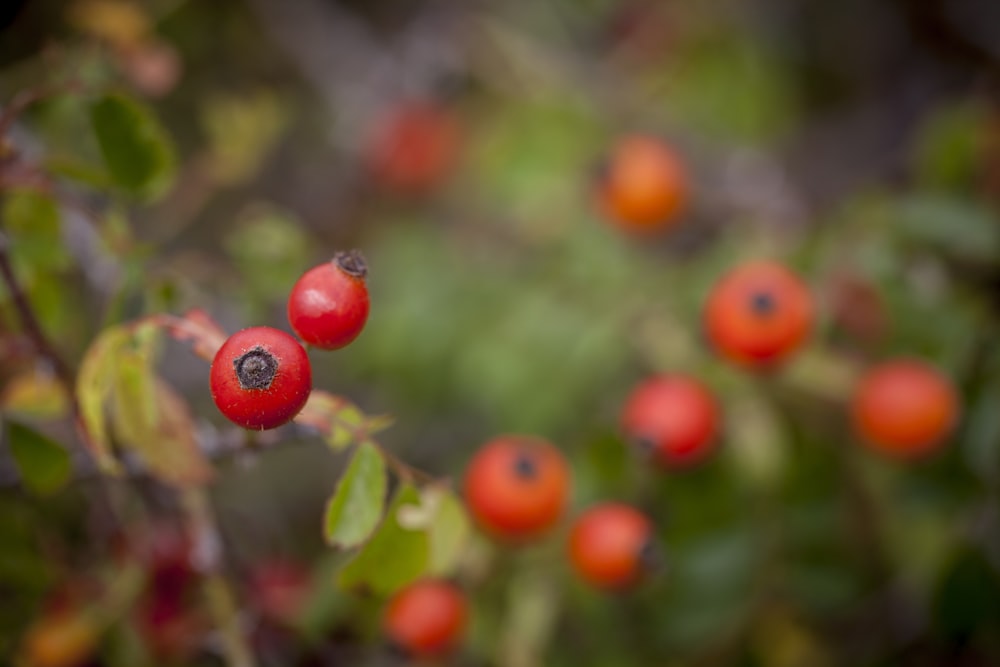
column 208, row 555
column 31, row 325
column 406, row 472
column 24, row 99
column 102, row 497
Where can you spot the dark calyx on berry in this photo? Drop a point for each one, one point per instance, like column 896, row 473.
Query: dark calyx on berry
column 763, row 303
column 351, row 262
column 256, row 368
column 645, row 444
column 524, row 467
column 651, row 557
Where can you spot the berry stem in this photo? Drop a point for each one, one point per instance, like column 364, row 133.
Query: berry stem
column 405, row 471
column 208, row 557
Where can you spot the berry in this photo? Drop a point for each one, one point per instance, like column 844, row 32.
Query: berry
column 60, row 639
column 260, row 378
column 672, row 417
column 279, row 589
column 426, row 619
column 516, row 486
column 611, row 546
column 758, row 314
column 643, row 187
column 328, row 306
column 904, row 408
column 170, row 626
column 415, row 148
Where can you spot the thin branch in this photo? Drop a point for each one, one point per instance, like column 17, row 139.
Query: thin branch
column 406, row 472
column 208, row 554
column 31, row 325
column 25, row 98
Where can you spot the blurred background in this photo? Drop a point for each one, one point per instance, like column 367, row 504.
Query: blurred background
column 459, row 145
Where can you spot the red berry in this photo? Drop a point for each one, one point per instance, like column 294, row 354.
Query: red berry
column 758, row 314
column 260, row 378
column 170, row 626
column 611, row 546
column 279, row 589
column 904, row 408
column 672, row 416
column 426, row 618
column 414, row 149
column 328, row 306
column 516, row 486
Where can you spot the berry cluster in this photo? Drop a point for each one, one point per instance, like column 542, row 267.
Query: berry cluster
column 757, row 316
column 261, row 377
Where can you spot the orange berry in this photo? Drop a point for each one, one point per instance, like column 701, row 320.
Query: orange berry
column 426, row 618
column 516, row 486
column 60, row 639
column 644, row 186
column 758, row 314
column 611, row 546
column 904, row 408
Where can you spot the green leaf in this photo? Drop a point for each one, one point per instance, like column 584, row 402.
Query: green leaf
column 270, row 247
column 449, row 533
column 242, row 130
column 967, row 598
column 356, row 506
column 953, row 225
column 33, row 222
column 136, row 150
column 94, row 384
column 947, row 148
column 393, row 557
column 44, row 465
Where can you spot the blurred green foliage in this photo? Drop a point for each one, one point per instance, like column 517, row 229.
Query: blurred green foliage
column 502, row 301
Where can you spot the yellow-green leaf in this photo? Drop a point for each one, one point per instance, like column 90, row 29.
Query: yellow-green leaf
column 448, row 532
column 164, row 438
column 34, row 395
column 94, row 384
column 33, row 222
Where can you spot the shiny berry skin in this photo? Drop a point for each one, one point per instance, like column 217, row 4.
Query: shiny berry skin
column 758, row 314
column 611, row 546
column 426, row 619
column 904, row 408
column 643, row 187
column 673, row 417
column 260, row 378
column 328, row 306
column 60, row 639
column 415, row 148
column 516, row 486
